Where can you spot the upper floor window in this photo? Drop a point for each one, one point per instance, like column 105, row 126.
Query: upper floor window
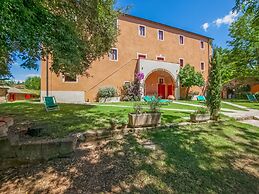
column 142, row 56
column 202, row 66
column 161, row 35
column 181, row 62
column 142, row 31
column 202, row 44
column 160, row 58
column 161, row 80
column 113, row 55
column 69, row 78
column 181, row 39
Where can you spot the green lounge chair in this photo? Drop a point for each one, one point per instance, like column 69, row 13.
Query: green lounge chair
column 147, row 98
column 251, row 97
column 50, row 103
column 201, row 98
column 150, row 98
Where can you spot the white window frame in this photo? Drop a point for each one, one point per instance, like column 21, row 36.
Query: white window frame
column 141, row 54
column 117, row 55
column 71, row 82
column 139, row 30
column 180, row 63
column 203, row 44
column 160, row 56
column 158, row 34
column 202, row 70
column 180, row 39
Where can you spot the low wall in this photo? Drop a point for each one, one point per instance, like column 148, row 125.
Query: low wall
column 77, row 97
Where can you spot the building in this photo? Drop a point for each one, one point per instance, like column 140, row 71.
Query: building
column 155, row 49
column 15, row 94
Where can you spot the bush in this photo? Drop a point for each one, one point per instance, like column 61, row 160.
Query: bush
column 131, row 91
column 201, row 111
column 154, row 105
column 107, row 92
column 257, row 95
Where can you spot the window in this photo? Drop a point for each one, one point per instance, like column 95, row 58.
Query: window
column 142, row 31
column 181, row 62
column 181, row 40
column 202, row 66
column 161, row 80
column 160, row 58
column 113, row 55
column 142, row 56
column 160, row 35
column 69, row 78
column 202, row 44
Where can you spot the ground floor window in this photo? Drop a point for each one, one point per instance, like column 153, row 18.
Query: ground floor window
column 69, row 78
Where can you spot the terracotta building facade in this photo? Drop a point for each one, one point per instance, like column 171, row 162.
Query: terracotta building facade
column 156, row 50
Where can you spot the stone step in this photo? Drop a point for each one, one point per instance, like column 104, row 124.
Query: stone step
column 8, row 120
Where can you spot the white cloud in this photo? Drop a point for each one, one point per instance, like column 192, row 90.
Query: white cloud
column 32, row 75
column 227, row 20
column 205, row 26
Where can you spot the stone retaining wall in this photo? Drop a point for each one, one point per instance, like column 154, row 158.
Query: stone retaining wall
column 15, row 150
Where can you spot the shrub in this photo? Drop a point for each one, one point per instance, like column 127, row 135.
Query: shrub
column 107, row 92
column 154, row 104
column 257, row 95
column 138, row 108
column 131, row 91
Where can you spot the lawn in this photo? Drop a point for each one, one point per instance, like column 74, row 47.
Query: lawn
column 227, row 106
column 73, row 118
column 245, row 103
column 204, row 158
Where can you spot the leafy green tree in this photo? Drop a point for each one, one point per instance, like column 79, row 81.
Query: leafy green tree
column 32, row 83
column 244, row 45
column 189, row 78
column 214, row 86
column 73, row 32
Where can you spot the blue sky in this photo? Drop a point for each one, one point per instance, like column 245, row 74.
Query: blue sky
column 207, row 17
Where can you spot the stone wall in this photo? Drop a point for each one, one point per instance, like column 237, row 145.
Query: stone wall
column 15, row 150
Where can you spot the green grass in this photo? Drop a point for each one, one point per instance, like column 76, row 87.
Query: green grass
column 73, row 118
column 245, row 103
column 227, row 106
column 170, row 105
column 205, row 158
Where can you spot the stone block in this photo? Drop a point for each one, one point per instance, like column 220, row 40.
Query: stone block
column 3, row 129
column 28, row 151
column 50, row 149
column 8, row 120
column 67, row 146
column 6, row 150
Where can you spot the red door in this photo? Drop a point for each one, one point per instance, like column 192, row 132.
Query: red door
column 169, row 90
column 161, row 91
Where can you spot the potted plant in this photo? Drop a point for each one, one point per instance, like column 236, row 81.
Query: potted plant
column 107, row 95
column 152, row 117
column 201, row 115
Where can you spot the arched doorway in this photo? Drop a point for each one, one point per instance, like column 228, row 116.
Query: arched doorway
column 159, row 82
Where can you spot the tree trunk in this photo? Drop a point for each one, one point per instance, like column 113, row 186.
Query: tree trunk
column 187, row 93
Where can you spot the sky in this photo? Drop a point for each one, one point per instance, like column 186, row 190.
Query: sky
column 207, row 17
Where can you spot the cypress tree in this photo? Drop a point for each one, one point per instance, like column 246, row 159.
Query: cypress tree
column 214, row 86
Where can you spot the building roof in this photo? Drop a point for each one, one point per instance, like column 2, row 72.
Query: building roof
column 21, row 91
column 150, row 21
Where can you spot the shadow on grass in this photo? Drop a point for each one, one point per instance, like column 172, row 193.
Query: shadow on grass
column 209, row 158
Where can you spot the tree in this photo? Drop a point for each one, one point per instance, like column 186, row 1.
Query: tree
column 214, row 86
column 32, row 83
column 74, row 33
column 189, row 77
column 244, row 32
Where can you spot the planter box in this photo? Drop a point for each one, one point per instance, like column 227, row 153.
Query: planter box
column 200, row 118
column 109, row 99
column 144, row 119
